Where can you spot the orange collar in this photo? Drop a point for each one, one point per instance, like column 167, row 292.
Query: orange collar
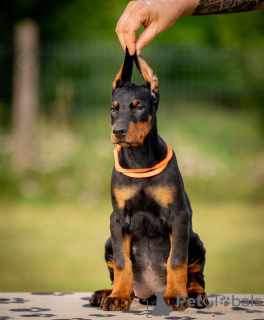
column 143, row 173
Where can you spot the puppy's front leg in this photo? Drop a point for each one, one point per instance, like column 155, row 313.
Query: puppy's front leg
column 122, row 294
column 177, row 261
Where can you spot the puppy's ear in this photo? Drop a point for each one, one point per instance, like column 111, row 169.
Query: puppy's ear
column 148, row 75
column 124, row 75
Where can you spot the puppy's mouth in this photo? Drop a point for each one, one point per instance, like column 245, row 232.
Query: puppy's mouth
column 124, row 144
column 125, row 141
column 134, row 136
column 121, row 141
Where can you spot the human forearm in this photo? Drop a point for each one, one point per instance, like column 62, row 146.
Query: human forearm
column 156, row 16
column 206, row 7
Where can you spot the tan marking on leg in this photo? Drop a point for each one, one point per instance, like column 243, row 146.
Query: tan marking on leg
column 123, row 279
column 194, row 269
column 110, row 264
column 163, row 195
column 193, row 284
column 124, row 194
column 176, row 278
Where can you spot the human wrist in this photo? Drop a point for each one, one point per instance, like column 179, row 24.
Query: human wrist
column 189, row 6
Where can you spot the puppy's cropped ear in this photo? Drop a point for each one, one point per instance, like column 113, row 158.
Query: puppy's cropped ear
column 148, row 75
column 124, row 75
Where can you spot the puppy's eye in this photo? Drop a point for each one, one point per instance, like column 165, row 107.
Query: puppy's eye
column 114, row 109
column 139, row 107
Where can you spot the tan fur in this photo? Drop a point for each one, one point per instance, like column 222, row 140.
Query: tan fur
column 176, row 278
column 135, row 103
column 118, row 76
column 124, row 194
column 110, row 264
column 163, row 195
column 115, row 104
column 148, row 74
column 193, row 285
column 195, row 268
column 137, row 132
column 123, row 279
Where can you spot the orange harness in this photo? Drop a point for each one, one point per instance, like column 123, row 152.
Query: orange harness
column 143, row 173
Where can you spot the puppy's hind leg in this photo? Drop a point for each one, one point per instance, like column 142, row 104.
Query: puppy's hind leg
column 196, row 284
column 98, row 296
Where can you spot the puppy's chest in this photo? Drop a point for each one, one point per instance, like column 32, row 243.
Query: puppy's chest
column 148, row 198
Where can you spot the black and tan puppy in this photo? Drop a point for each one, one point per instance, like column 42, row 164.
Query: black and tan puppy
column 152, row 247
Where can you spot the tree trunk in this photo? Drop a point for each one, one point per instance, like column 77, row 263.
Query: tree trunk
column 25, row 92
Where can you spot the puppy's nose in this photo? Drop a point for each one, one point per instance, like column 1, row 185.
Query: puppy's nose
column 120, row 130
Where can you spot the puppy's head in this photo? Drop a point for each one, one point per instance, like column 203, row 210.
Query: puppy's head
column 134, row 107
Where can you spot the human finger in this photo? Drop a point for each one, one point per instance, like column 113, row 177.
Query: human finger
column 146, row 37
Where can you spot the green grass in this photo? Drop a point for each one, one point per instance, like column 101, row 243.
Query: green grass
column 54, row 219
column 233, row 236
column 52, row 248
column 61, row 247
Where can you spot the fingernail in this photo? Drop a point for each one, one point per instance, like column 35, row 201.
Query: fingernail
column 138, row 52
column 130, row 52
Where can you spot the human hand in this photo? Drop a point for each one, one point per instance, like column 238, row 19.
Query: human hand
column 155, row 15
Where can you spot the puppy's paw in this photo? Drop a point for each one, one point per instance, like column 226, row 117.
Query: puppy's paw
column 177, row 303
column 98, row 296
column 201, row 300
column 116, row 303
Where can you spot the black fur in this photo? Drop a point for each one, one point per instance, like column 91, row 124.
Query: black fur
column 144, row 218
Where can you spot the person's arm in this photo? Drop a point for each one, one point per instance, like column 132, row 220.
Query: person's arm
column 227, row 6
column 159, row 15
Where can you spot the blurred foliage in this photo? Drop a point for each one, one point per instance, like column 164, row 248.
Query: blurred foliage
column 83, row 20
column 88, row 23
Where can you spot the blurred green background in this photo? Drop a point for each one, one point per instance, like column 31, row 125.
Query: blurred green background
column 55, row 208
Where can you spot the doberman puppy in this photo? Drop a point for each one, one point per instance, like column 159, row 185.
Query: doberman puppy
column 152, row 247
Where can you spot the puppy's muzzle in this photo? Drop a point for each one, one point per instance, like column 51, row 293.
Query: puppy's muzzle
column 120, row 130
